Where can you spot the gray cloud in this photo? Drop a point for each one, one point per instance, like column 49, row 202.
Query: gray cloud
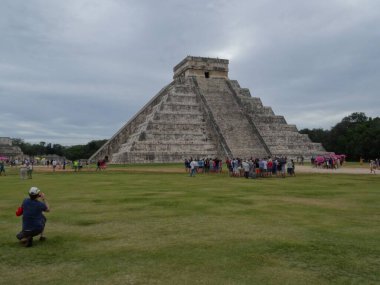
column 76, row 70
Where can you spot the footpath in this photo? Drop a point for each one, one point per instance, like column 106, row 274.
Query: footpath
column 342, row 170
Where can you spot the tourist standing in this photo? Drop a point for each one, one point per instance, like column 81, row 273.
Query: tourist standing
column 23, row 171
column 54, row 164
column 265, row 167
column 76, row 165
column 372, row 166
column 2, row 168
column 274, row 167
column 261, row 167
column 245, row 166
column 201, row 165
column 293, row 168
column 98, row 165
column 193, row 169
column 187, row 165
column 29, row 170
column 207, row 165
column 283, row 166
column 235, row 166
column 269, row 167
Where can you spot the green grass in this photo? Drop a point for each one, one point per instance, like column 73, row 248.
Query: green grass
column 120, row 227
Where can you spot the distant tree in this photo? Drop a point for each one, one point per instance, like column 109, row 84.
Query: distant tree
column 317, row 135
column 74, row 152
column 49, row 149
column 92, row 147
column 83, row 151
column 17, row 141
column 358, row 117
column 70, row 152
column 58, row 149
column 26, row 148
column 356, row 136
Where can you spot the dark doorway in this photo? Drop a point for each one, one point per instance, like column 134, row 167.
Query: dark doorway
column 207, row 74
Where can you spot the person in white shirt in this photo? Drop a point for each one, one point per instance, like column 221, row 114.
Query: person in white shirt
column 193, row 167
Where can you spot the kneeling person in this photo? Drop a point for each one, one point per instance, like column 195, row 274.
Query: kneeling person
column 33, row 221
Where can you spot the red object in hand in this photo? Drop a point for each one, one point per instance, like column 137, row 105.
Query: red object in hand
column 19, row 211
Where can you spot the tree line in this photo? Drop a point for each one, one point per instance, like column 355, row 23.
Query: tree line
column 70, row 152
column 356, row 136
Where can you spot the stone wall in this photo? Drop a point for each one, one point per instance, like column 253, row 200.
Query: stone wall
column 5, row 141
column 8, row 150
column 199, row 66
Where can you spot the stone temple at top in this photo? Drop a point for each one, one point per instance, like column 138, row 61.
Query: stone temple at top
column 202, row 113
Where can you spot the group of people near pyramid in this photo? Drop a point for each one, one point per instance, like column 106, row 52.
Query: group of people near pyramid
column 248, row 168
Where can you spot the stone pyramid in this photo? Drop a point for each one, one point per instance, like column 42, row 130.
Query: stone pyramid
column 202, row 113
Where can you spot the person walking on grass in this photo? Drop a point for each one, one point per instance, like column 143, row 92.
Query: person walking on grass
column 33, row 220
column 23, row 171
column 29, row 170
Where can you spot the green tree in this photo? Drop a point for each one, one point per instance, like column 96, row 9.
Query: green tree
column 83, row 151
column 317, row 135
column 58, row 149
column 356, row 136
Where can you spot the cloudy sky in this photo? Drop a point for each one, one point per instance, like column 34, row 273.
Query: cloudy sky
column 77, row 70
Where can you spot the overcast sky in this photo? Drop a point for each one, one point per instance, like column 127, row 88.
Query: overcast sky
column 73, row 71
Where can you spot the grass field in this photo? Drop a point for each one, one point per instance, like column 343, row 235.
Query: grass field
column 120, row 227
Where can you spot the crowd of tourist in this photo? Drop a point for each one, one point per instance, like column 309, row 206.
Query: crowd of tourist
column 207, row 165
column 26, row 166
column 331, row 161
column 267, row 167
column 248, row 168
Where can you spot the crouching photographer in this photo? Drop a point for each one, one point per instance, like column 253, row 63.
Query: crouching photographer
column 33, row 220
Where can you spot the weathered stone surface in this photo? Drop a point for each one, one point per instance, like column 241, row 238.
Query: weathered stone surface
column 7, row 149
column 204, row 114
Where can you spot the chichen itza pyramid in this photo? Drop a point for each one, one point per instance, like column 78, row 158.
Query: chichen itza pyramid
column 202, row 113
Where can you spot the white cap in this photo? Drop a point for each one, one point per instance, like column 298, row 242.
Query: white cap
column 34, row 191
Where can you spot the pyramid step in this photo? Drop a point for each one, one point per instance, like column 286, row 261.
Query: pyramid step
column 183, row 99
column 146, row 157
column 178, row 107
column 156, row 146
